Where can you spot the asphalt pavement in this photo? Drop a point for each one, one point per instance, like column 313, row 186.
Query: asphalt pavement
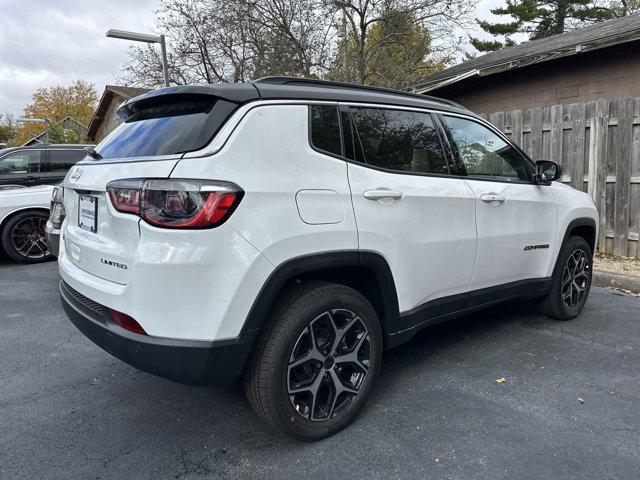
column 569, row 407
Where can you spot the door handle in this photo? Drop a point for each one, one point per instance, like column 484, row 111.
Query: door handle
column 492, row 197
column 382, row 194
column 29, row 178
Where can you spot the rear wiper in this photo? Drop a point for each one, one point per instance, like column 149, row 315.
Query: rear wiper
column 92, row 153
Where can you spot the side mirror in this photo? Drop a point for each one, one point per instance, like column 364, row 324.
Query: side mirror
column 546, row 172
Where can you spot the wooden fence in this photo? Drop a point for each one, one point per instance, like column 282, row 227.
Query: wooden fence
column 598, row 145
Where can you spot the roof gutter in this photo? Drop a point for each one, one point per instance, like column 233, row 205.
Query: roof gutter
column 447, row 81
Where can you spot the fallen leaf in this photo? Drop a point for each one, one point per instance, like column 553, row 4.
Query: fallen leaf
column 501, row 380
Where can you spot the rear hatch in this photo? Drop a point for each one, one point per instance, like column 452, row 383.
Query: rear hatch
column 158, row 129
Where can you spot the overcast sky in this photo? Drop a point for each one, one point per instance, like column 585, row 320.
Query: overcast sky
column 53, row 42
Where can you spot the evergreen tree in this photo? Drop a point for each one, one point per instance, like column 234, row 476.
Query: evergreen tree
column 539, row 19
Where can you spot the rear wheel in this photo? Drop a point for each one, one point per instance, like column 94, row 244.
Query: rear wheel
column 571, row 281
column 316, row 362
column 23, row 237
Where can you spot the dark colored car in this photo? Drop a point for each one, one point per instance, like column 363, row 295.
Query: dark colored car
column 45, row 164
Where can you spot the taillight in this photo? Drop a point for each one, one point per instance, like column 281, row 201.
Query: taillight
column 125, row 195
column 57, row 212
column 127, row 322
column 176, row 203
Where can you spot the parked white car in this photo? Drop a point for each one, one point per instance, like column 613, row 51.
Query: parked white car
column 289, row 230
column 23, row 214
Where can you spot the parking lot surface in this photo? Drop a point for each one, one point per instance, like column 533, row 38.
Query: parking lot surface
column 568, row 408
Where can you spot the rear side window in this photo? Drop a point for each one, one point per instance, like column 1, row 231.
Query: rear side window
column 63, row 160
column 166, row 125
column 398, row 140
column 325, row 128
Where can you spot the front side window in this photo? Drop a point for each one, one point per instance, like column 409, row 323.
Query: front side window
column 398, row 140
column 484, row 154
column 63, row 160
column 20, row 162
column 325, row 128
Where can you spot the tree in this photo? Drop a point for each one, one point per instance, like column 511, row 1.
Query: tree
column 8, row 129
column 397, row 52
column 541, row 18
column 404, row 22
column 622, row 8
column 212, row 41
column 76, row 101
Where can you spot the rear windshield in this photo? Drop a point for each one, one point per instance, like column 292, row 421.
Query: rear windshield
column 166, row 125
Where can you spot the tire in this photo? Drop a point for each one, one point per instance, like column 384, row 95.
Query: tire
column 23, row 237
column 569, row 293
column 285, row 370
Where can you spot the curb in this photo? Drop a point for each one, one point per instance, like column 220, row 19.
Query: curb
column 615, row 280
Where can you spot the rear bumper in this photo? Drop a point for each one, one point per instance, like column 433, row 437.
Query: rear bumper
column 52, row 235
column 183, row 361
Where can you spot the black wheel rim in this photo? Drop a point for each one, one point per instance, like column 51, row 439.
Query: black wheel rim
column 575, row 279
column 27, row 238
column 328, row 365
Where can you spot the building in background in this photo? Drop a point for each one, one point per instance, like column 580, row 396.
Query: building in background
column 600, row 61
column 67, row 127
column 105, row 118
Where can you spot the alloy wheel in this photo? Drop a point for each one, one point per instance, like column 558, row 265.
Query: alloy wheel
column 575, row 279
column 28, row 239
column 328, row 364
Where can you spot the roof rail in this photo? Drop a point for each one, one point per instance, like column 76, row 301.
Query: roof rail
column 276, row 80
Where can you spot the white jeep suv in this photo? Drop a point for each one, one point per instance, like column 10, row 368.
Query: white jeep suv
column 287, row 231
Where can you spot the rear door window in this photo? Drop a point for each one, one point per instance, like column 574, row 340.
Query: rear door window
column 399, row 140
column 60, row 161
column 166, row 125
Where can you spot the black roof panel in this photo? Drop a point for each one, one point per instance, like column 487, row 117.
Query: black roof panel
column 287, row 88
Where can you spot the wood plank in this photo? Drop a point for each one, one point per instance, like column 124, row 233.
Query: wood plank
column 497, row 119
column 600, row 131
column 577, row 146
column 516, row 127
column 609, row 215
column 556, row 133
column 623, row 176
column 536, row 133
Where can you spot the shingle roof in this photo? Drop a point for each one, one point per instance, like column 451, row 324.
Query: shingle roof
column 600, row 35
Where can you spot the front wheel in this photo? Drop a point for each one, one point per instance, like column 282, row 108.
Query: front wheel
column 316, row 362
column 23, row 237
column 571, row 281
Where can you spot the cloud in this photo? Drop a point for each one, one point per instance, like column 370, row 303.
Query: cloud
column 53, row 42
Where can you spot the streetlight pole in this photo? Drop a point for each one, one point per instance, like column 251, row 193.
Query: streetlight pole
column 38, row 120
column 165, row 68
column 145, row 38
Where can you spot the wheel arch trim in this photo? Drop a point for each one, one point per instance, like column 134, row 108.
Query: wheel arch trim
column 308, row 264
column 581, row 222
column 571, row 226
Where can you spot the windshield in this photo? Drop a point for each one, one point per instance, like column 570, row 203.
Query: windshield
column 166, row 125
